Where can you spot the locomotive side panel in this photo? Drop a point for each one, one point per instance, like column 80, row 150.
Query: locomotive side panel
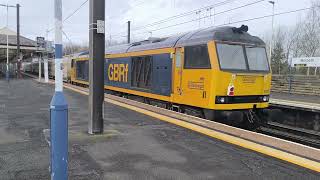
column 162, row 76
column 150, row 74
column 118, row 72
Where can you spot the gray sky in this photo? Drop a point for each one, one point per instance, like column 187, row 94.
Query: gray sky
column 37, row 16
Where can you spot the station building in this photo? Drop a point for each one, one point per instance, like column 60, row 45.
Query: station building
column 29, row 50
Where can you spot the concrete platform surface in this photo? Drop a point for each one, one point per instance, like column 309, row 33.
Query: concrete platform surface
column 295, row 97
column 134, row 146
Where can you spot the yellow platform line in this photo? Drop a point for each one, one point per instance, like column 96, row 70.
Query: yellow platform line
column 303, row 162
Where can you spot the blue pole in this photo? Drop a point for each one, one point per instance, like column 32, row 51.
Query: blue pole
column 58, row 108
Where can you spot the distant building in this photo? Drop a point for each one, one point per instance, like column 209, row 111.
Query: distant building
column 29, row 49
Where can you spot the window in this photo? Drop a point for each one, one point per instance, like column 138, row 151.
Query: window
column 197, row 57
column 82, row 70
column 231, row 57
column 178, row 58
column 257, row 59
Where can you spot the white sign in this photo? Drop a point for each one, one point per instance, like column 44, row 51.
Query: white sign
column 49, row 46
column 100, row 26
column 306, row 62
column 41, row 42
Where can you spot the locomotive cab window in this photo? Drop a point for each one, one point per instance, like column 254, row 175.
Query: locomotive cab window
column 257, row 58
column 196, row 57
column 231, row 57
column 242, row 57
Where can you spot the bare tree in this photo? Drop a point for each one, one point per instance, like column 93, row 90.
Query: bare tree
column 309, row 41
column 74, row 48
column 300, row 40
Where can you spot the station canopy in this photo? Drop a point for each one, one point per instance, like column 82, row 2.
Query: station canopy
column 27, row 46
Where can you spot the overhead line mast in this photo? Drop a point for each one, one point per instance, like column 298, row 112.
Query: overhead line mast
column 96, row 65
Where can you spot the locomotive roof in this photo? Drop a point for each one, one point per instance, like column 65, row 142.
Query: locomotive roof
column 196, row 37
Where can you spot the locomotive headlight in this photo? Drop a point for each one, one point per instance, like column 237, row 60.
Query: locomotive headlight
column 265, row 98
column 220, row 100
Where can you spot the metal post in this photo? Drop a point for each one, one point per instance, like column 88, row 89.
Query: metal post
column 18, row 40
column 128, row 32
column 198, row 13
column 7, row 72
column 39, row 61
column 214, row 15
column 46, row 76
column 290, row 76
column 271, row 42
column 45, row 66
column 96, row 65
column 58, row 108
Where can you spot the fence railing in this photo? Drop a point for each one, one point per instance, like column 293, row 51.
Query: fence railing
column 296, row 84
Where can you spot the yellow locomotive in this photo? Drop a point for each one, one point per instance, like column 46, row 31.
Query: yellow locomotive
column 216, row 73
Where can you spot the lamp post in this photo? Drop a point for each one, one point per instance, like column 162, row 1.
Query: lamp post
column 271, row 41
column 7, row 7
column 7, row 72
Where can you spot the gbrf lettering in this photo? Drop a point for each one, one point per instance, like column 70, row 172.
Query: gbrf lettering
column 118, row 72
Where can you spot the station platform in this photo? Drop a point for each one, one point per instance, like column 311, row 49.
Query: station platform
column 295, row 101
column 295, row 97
column 134, row 145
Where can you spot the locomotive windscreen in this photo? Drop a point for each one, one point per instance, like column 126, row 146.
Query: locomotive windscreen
column 257, row 58
column 242, row 57
column 231, row 57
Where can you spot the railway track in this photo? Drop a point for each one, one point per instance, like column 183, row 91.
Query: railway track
column 299, row 135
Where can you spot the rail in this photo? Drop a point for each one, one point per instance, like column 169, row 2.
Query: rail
column 299, row 135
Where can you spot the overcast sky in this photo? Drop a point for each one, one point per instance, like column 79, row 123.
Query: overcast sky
column 37, row 16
